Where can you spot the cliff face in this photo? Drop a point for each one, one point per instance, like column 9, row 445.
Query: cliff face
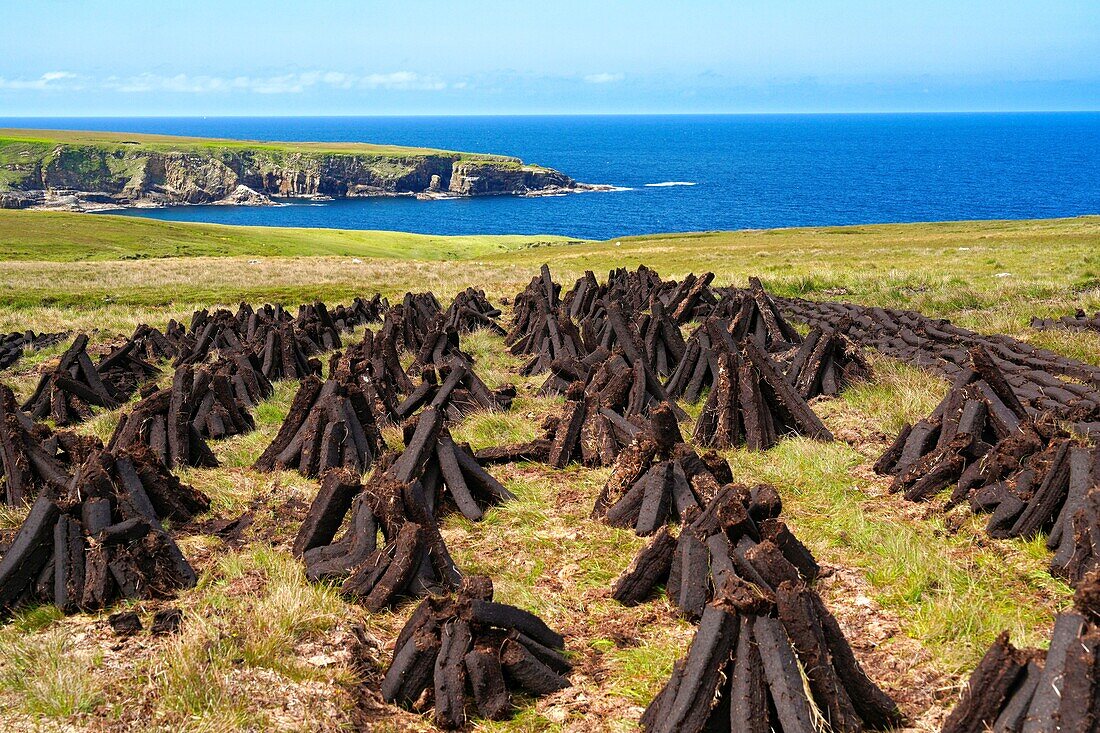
column 69, row 175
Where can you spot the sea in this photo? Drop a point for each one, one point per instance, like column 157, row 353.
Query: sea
column 692, row 172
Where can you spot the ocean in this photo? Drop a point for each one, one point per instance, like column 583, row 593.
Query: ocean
column 694, row 173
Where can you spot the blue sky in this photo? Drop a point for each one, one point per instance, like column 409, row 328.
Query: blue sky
column 427, row 57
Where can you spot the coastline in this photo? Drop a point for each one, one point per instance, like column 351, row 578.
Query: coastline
column 95, row 172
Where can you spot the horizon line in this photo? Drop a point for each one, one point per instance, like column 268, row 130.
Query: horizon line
column 821, row 113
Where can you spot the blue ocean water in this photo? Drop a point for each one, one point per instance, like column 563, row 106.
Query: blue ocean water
column 751, row 171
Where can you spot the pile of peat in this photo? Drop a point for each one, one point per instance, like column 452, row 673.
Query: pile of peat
column 738, row 537
column 14, row 345
column 1079, row 321
column 32, row 456
column 1023, row 690
column 101, row 539
column 1026, row 471
column 466, row 641
column 403, row 499
column 67, row 393
column 763, row 661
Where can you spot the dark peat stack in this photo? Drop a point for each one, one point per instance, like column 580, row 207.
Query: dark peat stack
column 330, row 424
column 467, row 641
column 1075, row 537
column 697, row 369
column 101, row 539
column 661, row 338
column 1079, row 321
column 124, row 370
column 752, row 403
column 318, row 328
column 471, row 311
column 826, row 363
column 33, row 457
column 540, row 328
column 753, row 313
column 739, row 535
column 658, row 478
column 440, row 345
column 210, row 401
column 360, row 312
column 68, row 392
column 761, row 662
column 1032, row 691
column 13, row 345
column 457, row 391
column 400, row 501
column 152, row 345
column 408, row 321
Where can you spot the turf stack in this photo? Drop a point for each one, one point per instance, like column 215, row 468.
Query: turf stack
column 472, row 311
column 330, row 424
column 1027, row 472
column 753, row 404
column 414, row 560
column 13, row 345
column 1032, row 691
column 67, row 393
column 468, row 641
column 150, row 344
column 761, row 662
column 101, row 539
column 659, row 477
column 32, row 457
column 738, row 535
column 210, row 401
column 826, row 363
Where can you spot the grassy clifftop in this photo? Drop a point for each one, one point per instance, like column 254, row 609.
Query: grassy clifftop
column 42, row 167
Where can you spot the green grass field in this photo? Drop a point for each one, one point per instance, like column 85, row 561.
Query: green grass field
column 165, row 143
column 923, row 593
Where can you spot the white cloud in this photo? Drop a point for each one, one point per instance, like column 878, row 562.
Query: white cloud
column 49, row 80
column 604, row 78
column 293, row 83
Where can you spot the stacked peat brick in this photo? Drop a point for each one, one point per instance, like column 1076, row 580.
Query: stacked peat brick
column 763, row 661
column 1024, row 690
column 737, row 538
column 1026, row 471
column 466, row 640
column 68, row 392
column 14, row 345
column 471, row 311
column 1079, row 321
column 403, row 500
column 658, row 478
column 331, row 424
column 360, row 312
column 212, row 400
column 101, row 538
column 33, row 457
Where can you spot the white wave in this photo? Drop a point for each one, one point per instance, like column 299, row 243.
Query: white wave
column 667, row 184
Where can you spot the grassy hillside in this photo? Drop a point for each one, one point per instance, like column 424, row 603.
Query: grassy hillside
column 176, row 143
column 65, row 237
column 262, row 649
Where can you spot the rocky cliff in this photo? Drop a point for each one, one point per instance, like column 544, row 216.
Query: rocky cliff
column 100, row 170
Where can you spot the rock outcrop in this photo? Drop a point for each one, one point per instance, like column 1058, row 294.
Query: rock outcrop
column 87, row 171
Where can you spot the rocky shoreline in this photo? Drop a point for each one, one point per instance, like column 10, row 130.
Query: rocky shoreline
column 108, row 171
column 98, row 202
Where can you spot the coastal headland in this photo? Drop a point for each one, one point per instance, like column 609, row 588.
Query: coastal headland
column 89, row 171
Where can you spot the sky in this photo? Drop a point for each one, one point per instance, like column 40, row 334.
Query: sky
column 425, row 57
